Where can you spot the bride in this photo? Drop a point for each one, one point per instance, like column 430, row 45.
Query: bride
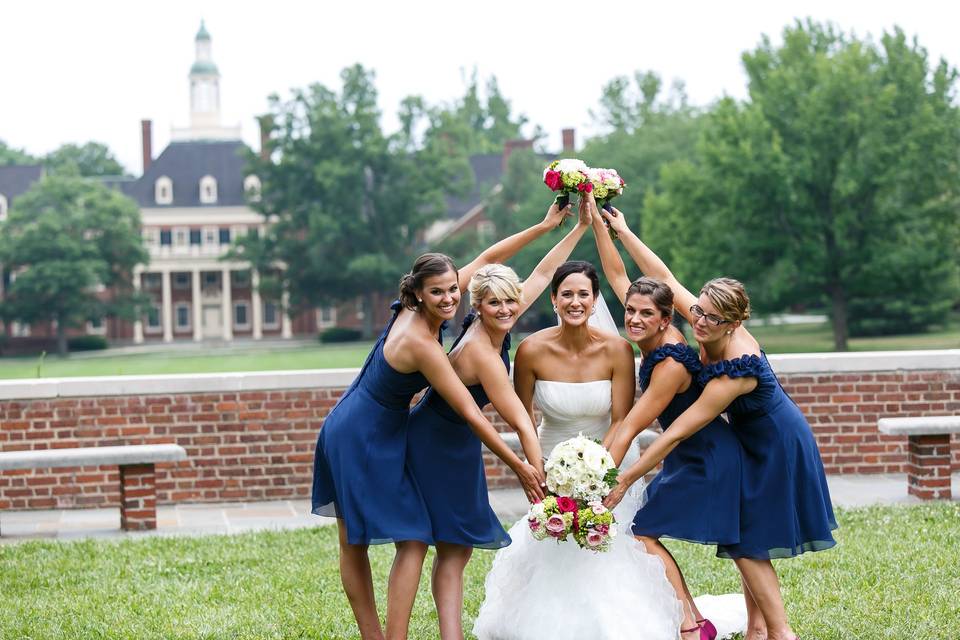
column 583, row 381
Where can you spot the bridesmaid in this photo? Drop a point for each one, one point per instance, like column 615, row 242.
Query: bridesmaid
column 360, row 473
column 444, row 456
column 785, row 507
column 696, row 496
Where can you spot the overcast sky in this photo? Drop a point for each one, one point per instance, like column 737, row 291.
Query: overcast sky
column 79, row 71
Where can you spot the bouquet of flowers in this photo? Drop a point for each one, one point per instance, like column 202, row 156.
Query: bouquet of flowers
column 580, row 473
column 565, row 177
column 607, row 185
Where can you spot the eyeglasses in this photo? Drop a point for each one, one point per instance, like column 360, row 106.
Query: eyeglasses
column 712, row 319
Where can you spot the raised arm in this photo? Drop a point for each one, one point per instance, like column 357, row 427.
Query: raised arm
column 650, row 263
column 613, row 268
column 509, row 246
column 538, row 280
column 716, row 397
column 435, row 366
column 496, row 384
column 667, row 379
column 623, row 387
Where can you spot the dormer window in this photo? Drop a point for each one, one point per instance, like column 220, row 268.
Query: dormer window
column 251, row 187
column 163, row 190
column 3, row 207
column 208, row 190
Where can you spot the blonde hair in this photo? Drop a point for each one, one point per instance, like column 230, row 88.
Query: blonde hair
column 497, row 279
column 729, row 297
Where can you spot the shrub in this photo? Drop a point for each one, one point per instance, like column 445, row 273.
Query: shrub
column 87, row 343
column 339, row 334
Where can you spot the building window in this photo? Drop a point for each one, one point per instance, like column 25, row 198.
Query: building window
column 3, row 207
column 151, row 236
column 271, row 315
column 152, row 281
column 224, row 235
column 486, row 229
column 208, row 190
column 251, row 187
column 181, row 280
column 97, row 327
column 195, row 237
column 326, row 317
column 210, row 236
column 211, row 279
column 241, row 315
column 181, row 236
column 240, row 279
column 18, row 330
column 163, row 190
column 166, row 238
column 153, row 318
column 181, row 313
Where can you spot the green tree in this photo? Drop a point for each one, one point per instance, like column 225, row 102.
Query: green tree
column 347, row 203
column 63, row 238
column 90, row 159
column 836, row 182
column 10, row 156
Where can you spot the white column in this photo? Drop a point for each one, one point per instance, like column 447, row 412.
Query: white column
column 227, row 308
column 257, row 304
column 197, row 303
column 167, row 314
column 286, row 329
column 138, row 322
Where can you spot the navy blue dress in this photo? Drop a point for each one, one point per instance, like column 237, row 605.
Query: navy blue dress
column 445, row 458
column 359, row 469
column 696, row 496
column 785, row 507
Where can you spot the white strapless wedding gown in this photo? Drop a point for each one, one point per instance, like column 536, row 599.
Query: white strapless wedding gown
column 541, row 589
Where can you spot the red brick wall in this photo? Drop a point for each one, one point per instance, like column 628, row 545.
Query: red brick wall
column 258, row 445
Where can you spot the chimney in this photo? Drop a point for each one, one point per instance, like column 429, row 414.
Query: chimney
column 146, row 136
column 512, row 145
column 266, row 124
column 569, row 137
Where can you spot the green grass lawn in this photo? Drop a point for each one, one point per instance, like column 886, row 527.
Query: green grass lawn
column 797, row 338
column 894, row 575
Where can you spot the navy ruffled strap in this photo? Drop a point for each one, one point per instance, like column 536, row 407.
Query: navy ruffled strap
column 746, row 366
column 396, row 306
column 682, row 353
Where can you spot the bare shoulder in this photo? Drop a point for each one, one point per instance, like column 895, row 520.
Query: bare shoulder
column 616, row 345
column 536, row 342
column 742, row 344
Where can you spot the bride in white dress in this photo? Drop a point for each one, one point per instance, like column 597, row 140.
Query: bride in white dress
column 582, row 379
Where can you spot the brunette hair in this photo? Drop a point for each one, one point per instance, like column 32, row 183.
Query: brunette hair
column 426, row 266
column 659, row 293
column 575, row 266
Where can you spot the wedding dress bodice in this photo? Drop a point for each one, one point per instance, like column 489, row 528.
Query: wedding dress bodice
column 570, row 408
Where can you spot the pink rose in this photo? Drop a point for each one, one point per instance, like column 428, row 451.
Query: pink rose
column 594, row 538
column 552, row 179
column 534, row 524
column 555, row 525
column 598, row 508
column 585, row 187
column 603, row 528
column 566, row 505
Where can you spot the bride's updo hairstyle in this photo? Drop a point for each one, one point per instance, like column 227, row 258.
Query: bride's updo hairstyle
column 659, row 293
column 729, row 297
column 571, row 267
column 426, row 266
column 498, row 280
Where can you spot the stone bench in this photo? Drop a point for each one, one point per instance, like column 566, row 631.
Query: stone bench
column 138, row 490
column 928, row 455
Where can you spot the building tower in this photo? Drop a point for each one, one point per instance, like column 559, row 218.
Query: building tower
column 205, row 96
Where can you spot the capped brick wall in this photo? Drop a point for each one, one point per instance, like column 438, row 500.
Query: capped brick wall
column 251, row 436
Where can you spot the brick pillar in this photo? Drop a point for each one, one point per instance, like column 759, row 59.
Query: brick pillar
column 928, row 467
column 138, row 497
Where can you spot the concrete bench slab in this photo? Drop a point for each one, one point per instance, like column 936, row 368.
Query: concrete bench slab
column 922, row 426
column 929, row 463
column 138, row 490
column 91, row 456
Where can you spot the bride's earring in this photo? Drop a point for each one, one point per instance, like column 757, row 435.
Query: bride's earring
column 593, row 311
column 555, row 309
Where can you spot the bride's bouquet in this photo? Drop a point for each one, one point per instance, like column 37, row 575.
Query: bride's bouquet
column 607, row 185
column 565, row 177
column 580, row 473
